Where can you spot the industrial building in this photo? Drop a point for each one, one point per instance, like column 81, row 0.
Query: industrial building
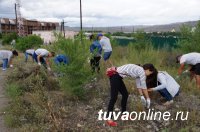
column 9, row 25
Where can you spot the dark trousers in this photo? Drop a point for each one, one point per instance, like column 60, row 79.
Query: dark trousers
column 166, row 94
column 94, row 63
column 117, row 85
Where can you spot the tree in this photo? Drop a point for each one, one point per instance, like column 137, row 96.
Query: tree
column 28, row 42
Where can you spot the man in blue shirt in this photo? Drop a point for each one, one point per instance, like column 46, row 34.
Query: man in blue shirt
column 61, row 59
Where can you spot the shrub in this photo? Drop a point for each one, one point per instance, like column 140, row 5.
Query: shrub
column 7, row 38
column 191, row 40
column 28, row 42
column 77, row 73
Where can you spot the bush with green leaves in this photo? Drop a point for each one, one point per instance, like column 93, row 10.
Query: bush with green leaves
column 77, row 73
column 7, row 38
column 28, row 42
column 191, row 39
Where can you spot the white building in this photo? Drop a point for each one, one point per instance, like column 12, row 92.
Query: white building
column 49, row 36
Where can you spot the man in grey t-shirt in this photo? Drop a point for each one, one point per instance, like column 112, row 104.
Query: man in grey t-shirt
column 107, row 48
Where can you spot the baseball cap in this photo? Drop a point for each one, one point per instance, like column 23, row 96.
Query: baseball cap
column 100, row 34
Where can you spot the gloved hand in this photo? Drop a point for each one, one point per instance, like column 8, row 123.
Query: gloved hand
column 39, row 63
column 11, row 66
column 186, row 71
column 143, row 100
column 177, row 77
column 49, row 68
column 148, row 103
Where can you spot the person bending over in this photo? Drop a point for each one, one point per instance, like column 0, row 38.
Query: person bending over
column 193, row 60
column 6, row 56
column 116, row 75
column 42, row 56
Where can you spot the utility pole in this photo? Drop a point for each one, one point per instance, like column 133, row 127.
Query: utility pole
column 20, row 23
column 81, row 26
column 0, row 26
column 64, row 28
column 16, row 16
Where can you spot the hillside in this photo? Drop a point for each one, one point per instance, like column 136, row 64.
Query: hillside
column 146, row 28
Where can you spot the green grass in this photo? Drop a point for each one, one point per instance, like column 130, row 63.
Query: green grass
column 30, row 91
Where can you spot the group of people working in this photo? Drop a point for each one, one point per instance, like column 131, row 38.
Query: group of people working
column 40, row 56
column 147, row 77
column 100, row 44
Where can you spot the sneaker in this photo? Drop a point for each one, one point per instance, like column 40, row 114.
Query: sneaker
column 111, row 123
column 143, row 100
column 4, row 69
column 168, row 103
column 148, row 103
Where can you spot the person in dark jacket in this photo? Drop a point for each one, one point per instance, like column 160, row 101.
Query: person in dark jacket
column 95, row 50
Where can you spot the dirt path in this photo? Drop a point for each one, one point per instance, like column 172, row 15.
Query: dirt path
column 3, row 102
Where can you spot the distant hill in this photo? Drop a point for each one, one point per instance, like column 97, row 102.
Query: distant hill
column 146, row 28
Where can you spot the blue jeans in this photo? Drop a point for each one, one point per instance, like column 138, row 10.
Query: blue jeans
column 42, row 60
column 107, row 55
column 166, row 94
column 5, row 63
column 26, row 56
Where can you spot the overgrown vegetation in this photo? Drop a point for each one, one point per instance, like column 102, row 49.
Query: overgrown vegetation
column 191, row 41
column 27, row 42
column 7, row 38
column 70, row 98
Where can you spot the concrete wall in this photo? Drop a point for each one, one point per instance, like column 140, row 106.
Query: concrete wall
column 48, row 36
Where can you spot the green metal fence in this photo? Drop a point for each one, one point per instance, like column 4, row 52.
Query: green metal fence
column 157, row 41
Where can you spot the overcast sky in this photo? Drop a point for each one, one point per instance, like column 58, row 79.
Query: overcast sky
column 106, row 12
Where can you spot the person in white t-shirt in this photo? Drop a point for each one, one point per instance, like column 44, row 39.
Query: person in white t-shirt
column 162, row 82
column 107, row 48
column 41, row 56
column 193, row 60
column 29, row 52
column 6, row 56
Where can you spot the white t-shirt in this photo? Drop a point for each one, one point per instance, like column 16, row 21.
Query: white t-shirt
column 30, row 51
column 6, row 54
column 135, row 72
column 42, row 52
column 105, row 44
column 167, row 82
column 190, row 58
